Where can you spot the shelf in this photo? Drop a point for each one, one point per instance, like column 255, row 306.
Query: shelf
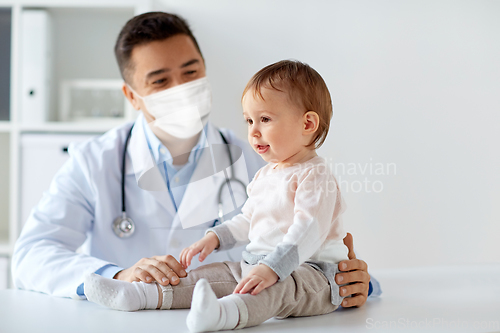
column 72, row 127
column 5, row 126
column 79, row 3
column 81, row 35
column 5, row 249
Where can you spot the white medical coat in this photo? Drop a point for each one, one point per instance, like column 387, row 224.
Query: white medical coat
column 85, row 197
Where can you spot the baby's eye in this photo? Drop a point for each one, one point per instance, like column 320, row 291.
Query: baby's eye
column 265, row 119
column 249, row 121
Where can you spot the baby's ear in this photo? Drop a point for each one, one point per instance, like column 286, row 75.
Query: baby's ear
column 311, row 122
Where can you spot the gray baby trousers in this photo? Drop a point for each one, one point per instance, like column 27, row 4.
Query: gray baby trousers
column 306, row 292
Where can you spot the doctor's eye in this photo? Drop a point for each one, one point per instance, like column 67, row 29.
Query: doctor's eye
column 190, row 72
column 265, row 119
column 160, row 81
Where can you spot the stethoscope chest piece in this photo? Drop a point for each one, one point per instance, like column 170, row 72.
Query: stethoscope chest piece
column 123, row 226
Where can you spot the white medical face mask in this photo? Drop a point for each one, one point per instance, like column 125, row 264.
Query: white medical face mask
column 181, row 111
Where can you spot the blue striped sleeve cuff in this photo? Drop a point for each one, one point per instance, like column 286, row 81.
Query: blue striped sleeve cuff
column 107, row 271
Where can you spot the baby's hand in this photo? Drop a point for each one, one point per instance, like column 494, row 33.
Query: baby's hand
column 205, row 245
column 258, row 279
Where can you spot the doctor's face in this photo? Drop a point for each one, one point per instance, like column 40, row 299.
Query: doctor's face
column 160, row 65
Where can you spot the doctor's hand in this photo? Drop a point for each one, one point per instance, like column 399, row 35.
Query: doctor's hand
column 356, row 275
column 204, row 247
column 162, row 269
column 258, row 279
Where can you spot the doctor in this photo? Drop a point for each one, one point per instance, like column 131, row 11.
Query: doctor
column 174, row 165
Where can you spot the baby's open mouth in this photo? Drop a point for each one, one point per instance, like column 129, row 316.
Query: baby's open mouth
column 262, row 149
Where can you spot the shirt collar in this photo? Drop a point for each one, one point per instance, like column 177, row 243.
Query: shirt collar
column 162, row 154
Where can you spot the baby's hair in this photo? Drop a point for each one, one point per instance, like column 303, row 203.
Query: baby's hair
column 303, row 85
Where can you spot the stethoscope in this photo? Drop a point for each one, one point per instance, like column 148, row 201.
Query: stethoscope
column 124, row 226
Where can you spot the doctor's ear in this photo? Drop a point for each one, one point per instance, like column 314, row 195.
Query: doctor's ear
column 311, row 122
column 131, row 96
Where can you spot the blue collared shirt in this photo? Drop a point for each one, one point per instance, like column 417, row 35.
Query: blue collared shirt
column 174, row 175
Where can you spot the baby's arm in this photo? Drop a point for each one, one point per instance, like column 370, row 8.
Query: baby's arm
column 204, row 246
column 234, row 233
column 223, row 237
column 312, row 221
column 315, row 218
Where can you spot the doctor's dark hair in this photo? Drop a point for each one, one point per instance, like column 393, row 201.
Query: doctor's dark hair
column 146, row 28
column 304, row 87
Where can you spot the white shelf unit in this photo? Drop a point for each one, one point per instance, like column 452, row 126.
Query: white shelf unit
column 70, row 127
column 5, row 126
column 4, row 192
column 84, row 33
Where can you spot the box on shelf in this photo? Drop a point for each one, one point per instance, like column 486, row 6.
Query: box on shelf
column 91, row 100
column 36, row 59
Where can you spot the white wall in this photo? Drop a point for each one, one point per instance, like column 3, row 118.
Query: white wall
column 416, row 88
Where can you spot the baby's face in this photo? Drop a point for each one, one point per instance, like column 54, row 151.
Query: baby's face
column 275, row 127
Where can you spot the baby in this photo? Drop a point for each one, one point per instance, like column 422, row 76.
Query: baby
column 291, row 221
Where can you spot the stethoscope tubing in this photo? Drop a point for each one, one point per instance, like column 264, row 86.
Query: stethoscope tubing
column 124, row 157
column 118, row 222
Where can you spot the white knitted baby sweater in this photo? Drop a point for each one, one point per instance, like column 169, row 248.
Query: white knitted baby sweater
column 292, row 215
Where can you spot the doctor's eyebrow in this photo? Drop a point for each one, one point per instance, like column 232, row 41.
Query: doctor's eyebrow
column 189, row 63
column 157, row 72
column 166, row 70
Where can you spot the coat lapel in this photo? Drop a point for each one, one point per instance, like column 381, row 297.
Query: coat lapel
column 199, row 204
column 141, row 163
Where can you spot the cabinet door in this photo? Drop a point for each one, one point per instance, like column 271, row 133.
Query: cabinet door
column 4, row 189
column 4, row 273
column 42, row 155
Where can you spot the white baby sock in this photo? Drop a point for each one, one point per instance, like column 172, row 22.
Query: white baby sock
column 209, row 313
column 120, row 295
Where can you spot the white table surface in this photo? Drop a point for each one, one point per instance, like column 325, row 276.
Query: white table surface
column 434, row 299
